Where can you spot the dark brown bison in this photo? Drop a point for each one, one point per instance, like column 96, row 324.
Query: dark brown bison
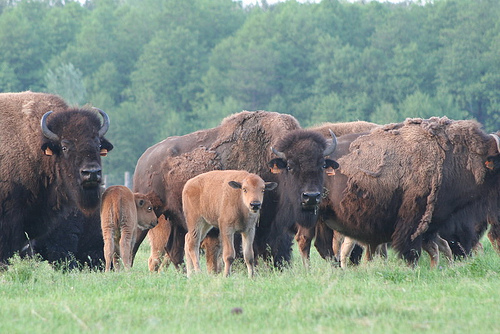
column 50, row 163
column 405, row 183
column 326, row 240
column 244, row 141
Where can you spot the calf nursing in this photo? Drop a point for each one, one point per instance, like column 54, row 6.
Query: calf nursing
column 229, row 200
column 122, row 212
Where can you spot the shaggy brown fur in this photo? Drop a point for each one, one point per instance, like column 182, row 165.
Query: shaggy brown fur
column 404, row 181
column 42, row 179
column 345, row 128
column 122, row 212
column 230, row 201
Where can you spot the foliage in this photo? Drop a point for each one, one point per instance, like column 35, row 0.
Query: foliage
column 169, row 67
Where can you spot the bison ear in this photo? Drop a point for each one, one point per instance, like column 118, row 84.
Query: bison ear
column 140, row 203
column 493, row 163
column 105, row 145
column 49, row 149
column 271, row 185
column 234, row 184
column 277, row 165
column 330, row 166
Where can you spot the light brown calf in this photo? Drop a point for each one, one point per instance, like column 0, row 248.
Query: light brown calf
column 122, row 212
column 229, row 200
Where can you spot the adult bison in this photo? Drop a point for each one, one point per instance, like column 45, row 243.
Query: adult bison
column 325, row 238
column 403, row 183
column 50, row 163
column 245, row 141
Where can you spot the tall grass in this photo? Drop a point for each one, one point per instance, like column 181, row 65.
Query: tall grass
column 379, row 297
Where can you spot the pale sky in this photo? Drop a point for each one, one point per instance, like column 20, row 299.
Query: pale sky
column 271, row 2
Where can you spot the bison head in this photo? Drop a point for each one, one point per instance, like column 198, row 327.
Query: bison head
column 74, row 141
column 300, row 165
column 252, row 191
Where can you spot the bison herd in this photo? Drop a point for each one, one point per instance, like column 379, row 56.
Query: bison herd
column 422, row 184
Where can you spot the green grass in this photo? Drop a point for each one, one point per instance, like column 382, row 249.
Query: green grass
column 379, row 297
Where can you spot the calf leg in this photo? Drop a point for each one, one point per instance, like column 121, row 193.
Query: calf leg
column 109, row 249
column 345, row 251
column 432, row 249
column 304, row 238
column 247, row 245
column 192, row 245
column 126, row 244
column 444, row 248
column 228, row 252
column 158, row 238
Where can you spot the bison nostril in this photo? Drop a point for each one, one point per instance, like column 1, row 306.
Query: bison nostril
column 255, row 205
column 311, row 197
column 91, row 175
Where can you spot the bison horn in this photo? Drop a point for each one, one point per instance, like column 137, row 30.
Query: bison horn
column 278, row 153
column 45, row 129
column 331, row 148
column 497, row 139
column 105, row 123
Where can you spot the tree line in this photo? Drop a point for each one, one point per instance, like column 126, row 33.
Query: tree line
column 169, row 67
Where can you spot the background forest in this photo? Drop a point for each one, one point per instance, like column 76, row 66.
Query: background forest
column 168, row 67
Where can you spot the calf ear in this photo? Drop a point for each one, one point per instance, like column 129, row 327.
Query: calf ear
column 330, row 166
column 277, row 165
column 234, row 184
column 140, row 202
column 271, row 185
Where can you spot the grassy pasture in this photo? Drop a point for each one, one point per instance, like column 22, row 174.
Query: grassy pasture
column 380, row 297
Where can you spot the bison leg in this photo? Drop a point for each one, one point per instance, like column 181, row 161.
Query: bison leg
column 444, row 248
column 304, row 238
column 158, row 238
column 228, row 252
column 432, row 249
column 212, row 247
column 494, row 236
column 126, row 246
column 247, row 245
column 325, row 242
column 109, row 250
column 192, row 245
column 345, row 251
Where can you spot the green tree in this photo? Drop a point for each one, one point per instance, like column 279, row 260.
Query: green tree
column 66, row 81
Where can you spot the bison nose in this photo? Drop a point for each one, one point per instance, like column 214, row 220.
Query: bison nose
column 311, row 198
column 255, row 205
column 91, row 175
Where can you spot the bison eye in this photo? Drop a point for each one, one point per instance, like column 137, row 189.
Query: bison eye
column 150, row 208
column 245, row 190
column 64, row 148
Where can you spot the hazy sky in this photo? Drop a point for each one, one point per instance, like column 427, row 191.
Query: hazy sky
column 248, row 2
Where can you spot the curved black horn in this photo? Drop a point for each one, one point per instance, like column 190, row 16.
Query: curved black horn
column 45, row 129
column 497, row 139
column 105, row 123
column 278, row 153
column 331, row 148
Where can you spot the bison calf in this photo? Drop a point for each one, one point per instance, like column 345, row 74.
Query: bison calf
column 229, row 200
column 122, row 212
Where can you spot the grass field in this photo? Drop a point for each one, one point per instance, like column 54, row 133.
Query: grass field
column 380, row 297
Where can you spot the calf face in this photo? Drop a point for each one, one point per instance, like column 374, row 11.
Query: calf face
column 146, row 217
column 252, row 191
